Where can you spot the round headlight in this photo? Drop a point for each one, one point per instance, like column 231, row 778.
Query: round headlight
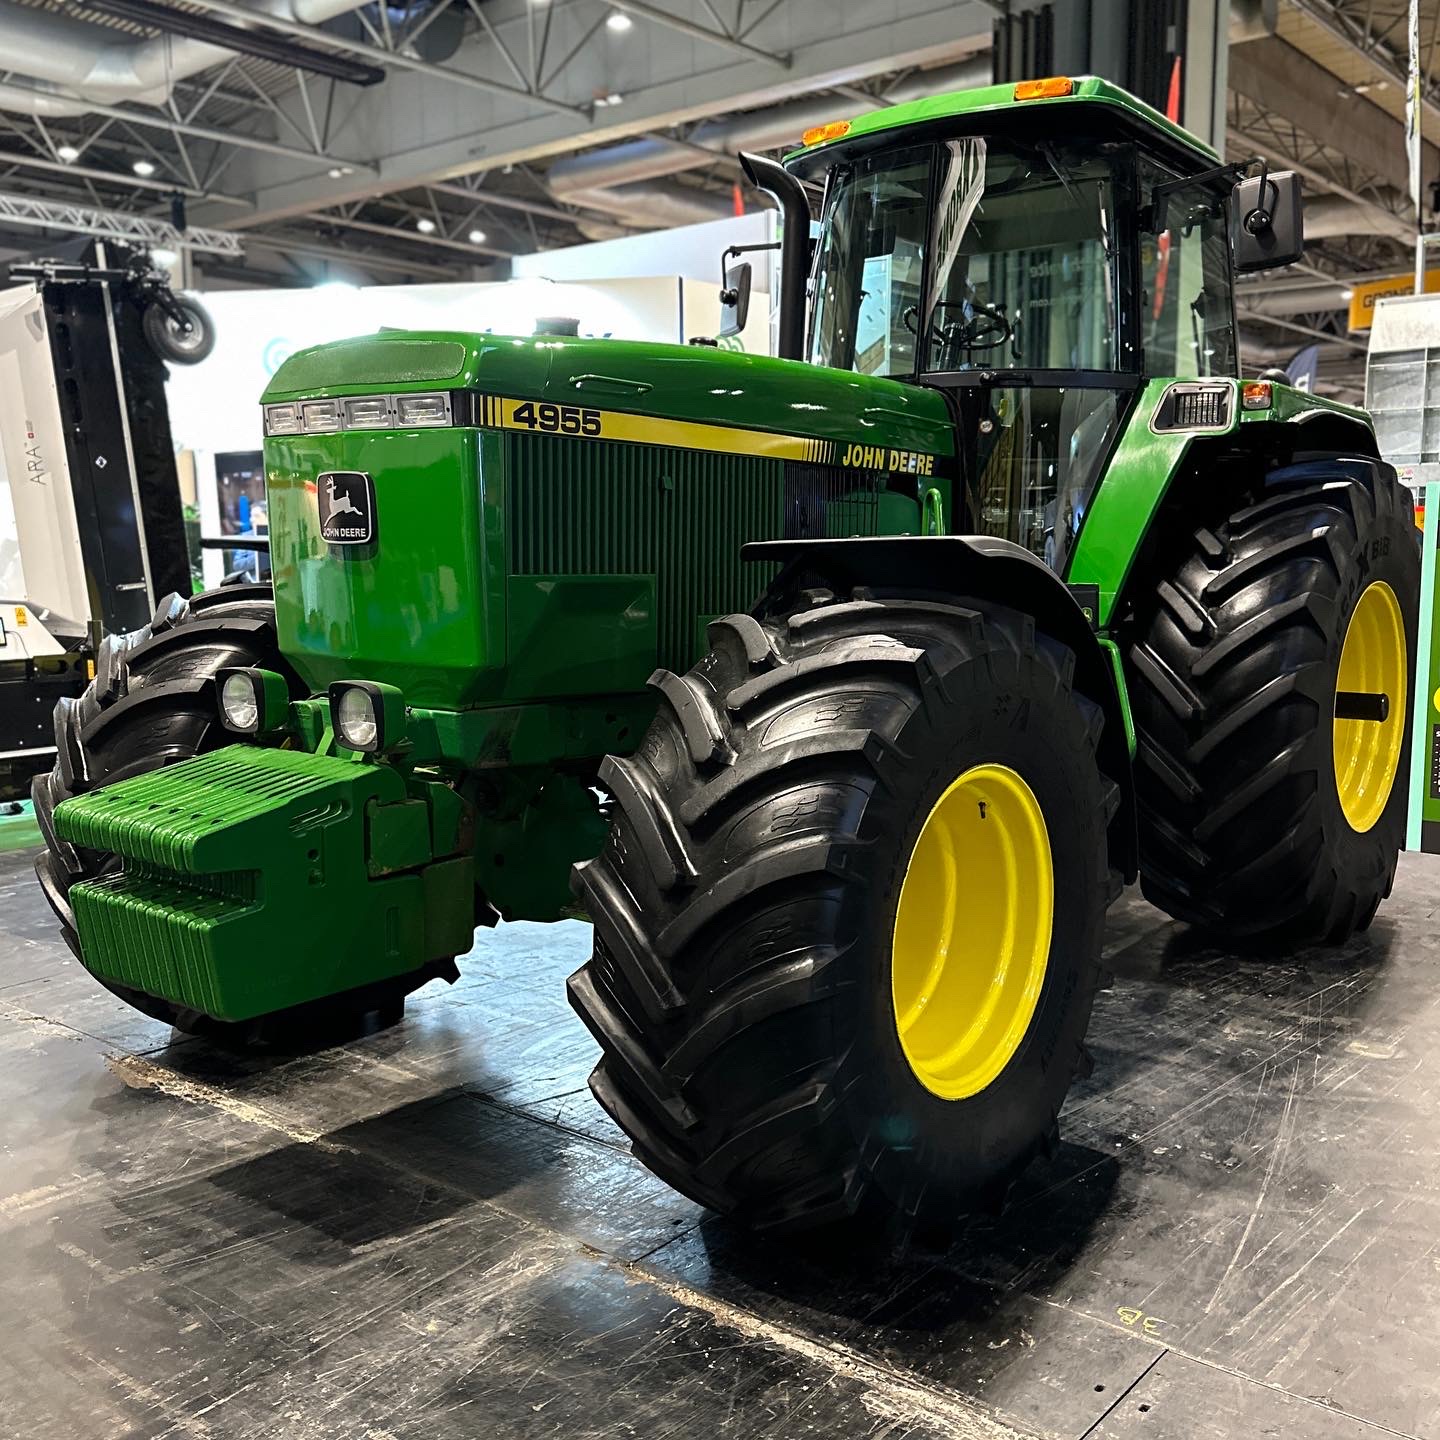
column 239, row 705
column 356, row 722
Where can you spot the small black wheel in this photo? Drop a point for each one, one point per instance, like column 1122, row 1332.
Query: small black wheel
column 186, row 339
column 152, row 703
column 1271, row 681
column 848, row 922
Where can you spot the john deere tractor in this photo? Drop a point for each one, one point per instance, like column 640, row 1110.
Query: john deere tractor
column 885, row 664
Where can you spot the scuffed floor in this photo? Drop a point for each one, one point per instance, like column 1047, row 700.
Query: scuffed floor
column 432, row 1231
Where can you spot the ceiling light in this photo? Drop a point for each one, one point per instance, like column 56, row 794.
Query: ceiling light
column 424, row 226
column 477, row 237
column 618, row 21
column 337, row 172
column 604, row 101
column 144, row 168
column 68, row 153
column 1347, row 294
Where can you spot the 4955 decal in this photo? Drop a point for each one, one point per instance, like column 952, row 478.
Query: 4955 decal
column 556, row 419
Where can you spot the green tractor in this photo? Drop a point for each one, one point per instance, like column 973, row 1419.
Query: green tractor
column 1047, row 599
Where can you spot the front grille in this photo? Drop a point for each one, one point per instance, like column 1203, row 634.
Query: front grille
column 599, row 507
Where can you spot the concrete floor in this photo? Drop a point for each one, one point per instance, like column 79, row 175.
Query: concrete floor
column 433, row 1231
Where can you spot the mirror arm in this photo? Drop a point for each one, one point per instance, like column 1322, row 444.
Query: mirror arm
column 734, row 252
column 789, row 194
column 1160, row 193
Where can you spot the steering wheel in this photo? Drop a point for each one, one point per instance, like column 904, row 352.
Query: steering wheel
column 985, row 328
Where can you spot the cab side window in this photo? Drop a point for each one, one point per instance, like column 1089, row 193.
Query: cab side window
column 1187, row 316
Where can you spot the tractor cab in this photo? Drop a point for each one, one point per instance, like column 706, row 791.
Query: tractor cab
column 1036, row 252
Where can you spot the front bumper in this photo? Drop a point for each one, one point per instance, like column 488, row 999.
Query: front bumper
column 255, row 879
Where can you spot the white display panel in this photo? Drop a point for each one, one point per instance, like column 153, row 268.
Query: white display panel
column 40, row 506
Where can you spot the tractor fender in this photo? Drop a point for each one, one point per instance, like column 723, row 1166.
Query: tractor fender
column 979, row 565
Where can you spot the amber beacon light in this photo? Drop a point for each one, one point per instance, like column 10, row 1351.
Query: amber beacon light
column 1047, row 89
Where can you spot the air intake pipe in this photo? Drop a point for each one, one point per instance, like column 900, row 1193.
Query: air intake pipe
column 789, row 194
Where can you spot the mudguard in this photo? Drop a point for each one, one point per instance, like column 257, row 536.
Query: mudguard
column 976, row 565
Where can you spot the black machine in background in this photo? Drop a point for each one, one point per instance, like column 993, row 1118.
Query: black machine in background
column 111, row 322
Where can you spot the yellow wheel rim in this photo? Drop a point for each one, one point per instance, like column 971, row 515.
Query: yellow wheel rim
column 972, row 932
column 1372, row 664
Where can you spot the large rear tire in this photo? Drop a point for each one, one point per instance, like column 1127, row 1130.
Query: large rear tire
column 152, row 703
column 826, row 809
column 1262, row 815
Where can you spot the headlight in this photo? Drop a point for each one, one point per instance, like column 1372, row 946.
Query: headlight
column 253, row 702
column 282, row 420
column 426, row 410
column 366, row 716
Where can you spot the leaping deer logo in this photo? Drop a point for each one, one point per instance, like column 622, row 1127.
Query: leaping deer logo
column 344, row 505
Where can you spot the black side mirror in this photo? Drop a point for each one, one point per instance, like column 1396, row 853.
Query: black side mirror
column 735, row 299
column 1265, row 224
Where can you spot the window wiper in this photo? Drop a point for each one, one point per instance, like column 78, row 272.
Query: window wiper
column 1059, row 171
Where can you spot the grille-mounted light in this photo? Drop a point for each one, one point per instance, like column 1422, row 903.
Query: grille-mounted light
column 431, row 409
column 423, row 410
column 369, row 412
column 320, row 415
column 252, row 701
column 282, row 419
column 1195, row 405
column 367, row 716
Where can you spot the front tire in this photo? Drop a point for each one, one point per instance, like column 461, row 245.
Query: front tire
column 822, row 799
column 1263, row 816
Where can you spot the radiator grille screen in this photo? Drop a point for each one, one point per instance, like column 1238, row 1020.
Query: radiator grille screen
column 588, row 507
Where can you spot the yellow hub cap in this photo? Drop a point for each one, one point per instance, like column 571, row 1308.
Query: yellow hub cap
column 972, row 932
column 1372, row 664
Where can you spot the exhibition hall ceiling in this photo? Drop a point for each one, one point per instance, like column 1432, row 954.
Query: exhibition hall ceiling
column 433, row 139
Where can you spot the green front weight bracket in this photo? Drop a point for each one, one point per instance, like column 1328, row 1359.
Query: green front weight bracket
column 256, row 879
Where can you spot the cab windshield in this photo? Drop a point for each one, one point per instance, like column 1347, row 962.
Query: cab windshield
column 1021, row 254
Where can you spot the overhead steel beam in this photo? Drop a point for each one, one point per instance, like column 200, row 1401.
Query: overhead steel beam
column 505, row 202
column 1299, row 329
column 698, row 32
column 427, row 134
column 113, row 225
column 1332, row 19
column 156, row 121
column 110, row 177
column 361, row 260
column 1386, row 223
column 394, row 232
column 1279, row 78
column 394, row 58
column 243, row 42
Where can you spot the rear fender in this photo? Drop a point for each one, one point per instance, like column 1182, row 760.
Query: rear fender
column 988, row 568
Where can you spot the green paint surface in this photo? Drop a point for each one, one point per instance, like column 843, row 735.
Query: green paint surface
column 20, row 832
column 1126, row 502
column 1424, row 808
column 255, row 879
column 1090, row 94
column 680, row 382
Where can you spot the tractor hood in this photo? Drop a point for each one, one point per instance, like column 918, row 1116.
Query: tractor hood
column 699, row 383
column 483, row 520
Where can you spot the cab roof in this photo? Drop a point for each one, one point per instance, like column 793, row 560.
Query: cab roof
column 1093, row 105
